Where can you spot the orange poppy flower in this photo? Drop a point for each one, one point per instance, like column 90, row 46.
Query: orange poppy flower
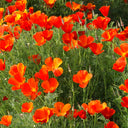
column 6, row 42
column 60, row 109
column 123, row 50
column 85, row 41
column 39, row 18
column 43, row 73
column 94, row 106
column 31, row 10
column 67, row 27
column 107, row 112
column 96, row 48
column 2, row 65
column 111, row 124
column 1, row 13
column 42, row 115
column 73, row 6
column 101, row 22
column 50, row 3
column 57, row 21
column 6, row 120
column 108, row 35
column 104, row 10
column 53, row 65
column 27, row 107
column 120, row 64
column 35, row 58
column 124, row 102
column 50, row 85
column 89, row 15
column 124, row 87
column 30, row 88
column 82, row 77
column 17, row 73
column 82, row 114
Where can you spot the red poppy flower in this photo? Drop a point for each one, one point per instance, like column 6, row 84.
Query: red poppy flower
column 35, row 58
column 120, row 64
column 60, row 109
column 82, row 77
column 27, row 107
column 73, row 6
column 30, row 89
column 125, row 1
column 10, row 9
column 101, row 22
column 104, row 10
column 67, row 27
column 6, row 120
column 90, row 6
column 1, row 13
column 2, row 65
column 5, row 98
column 89, row 15
column 108, row 35
column 43, row 73
column 42, row 115
column 17, row 31
column 31, row 10
column 123, row 50
column 96, row 48
column 50, row 85
column 53, row 65
column 85, row 41
column 21, row 4
column 39, row 18
column 82, row 114
column 111, row 124
column 124, row 102
column 125, row 86
column 9, row 1
column 107, row 112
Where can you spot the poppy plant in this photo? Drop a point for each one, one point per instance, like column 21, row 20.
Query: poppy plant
column 50, row 85
column 82, row 77
column 30, row 89
column 111, row 124
column 60, row 109
column 53, row 65
column 2, row 65
column 27, row 107
column 124, row 87
column 42, row 115
column 6, row 120
column 120, row 64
